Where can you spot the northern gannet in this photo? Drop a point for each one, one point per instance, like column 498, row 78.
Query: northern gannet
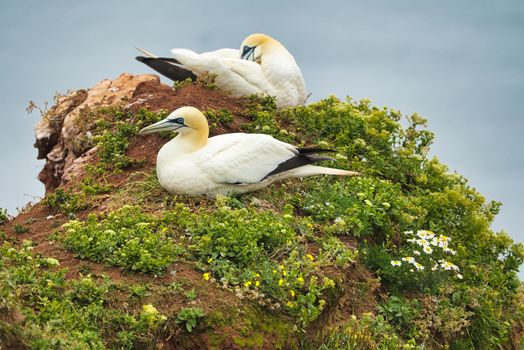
column 262, row 65
column 191, row 163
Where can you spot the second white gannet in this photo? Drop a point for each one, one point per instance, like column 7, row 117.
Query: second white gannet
column 262, row 65
column 191, row 163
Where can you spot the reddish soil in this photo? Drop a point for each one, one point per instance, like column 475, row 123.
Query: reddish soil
column 156, row 96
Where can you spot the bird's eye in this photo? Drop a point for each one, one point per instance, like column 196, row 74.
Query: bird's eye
column 179, row 120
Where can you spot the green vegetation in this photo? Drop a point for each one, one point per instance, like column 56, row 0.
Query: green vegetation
column 221, row 117
column 113, row 131
column 65, row 201
column 126, row 238
column 19, row 229
column 401, row 257
column 56, row 313
column 4, row 217
column 189, row 317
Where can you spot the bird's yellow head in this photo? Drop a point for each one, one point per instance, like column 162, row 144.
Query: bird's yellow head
column 256, row 45
column 184, row 120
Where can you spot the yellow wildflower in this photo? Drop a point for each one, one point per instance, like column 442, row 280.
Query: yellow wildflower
column 209, row 260
column 257, row 283
column 247, row 284
column 300, row 280
column 292, row 292
column 310, row 257
column 284, row 273
column 206, row 276
column 280, row 282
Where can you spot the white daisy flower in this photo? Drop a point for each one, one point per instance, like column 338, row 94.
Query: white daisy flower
column 396, row 262
column 422, row 234
column 422, row 242
column 446, row 265
column 427, row 249
column 416, row 252
column 409, row 259
column 418, row 266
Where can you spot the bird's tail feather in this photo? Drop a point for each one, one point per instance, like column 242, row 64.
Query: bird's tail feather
column 168, row 67
column 332, row 171
column 147, row 53
column 310, row 170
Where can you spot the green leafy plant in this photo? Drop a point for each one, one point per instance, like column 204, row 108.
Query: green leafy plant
column 19, row 229
column 65, row 201
column 126, row 238
column 4, row 217
column 189, row 316
column 399, row 311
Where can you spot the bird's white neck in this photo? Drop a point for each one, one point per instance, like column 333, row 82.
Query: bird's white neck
column 181, row 145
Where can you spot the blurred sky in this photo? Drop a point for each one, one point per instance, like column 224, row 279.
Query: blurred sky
column 458, row 63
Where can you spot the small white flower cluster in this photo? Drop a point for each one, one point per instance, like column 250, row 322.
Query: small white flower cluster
column 428, row 241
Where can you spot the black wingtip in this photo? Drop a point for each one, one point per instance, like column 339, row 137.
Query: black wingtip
column 168, row 67
column 296, row 162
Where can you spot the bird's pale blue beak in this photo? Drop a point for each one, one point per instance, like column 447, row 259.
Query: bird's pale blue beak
column 166, row 124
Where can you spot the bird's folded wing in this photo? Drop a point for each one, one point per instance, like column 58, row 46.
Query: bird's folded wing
column 243, row 158
column 224, row 53
column 235, row 74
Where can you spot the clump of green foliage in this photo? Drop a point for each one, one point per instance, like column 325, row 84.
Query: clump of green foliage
column 65, row 201
column 112, row 135
column 62, row 313
column 189, row 317
column 221, row 117
column 258, row 252
column 126, row 238
column 110, row 129
column 19, row 229
column 368, row 332
column 181, row 84
column 208, row 80
column 4, row 217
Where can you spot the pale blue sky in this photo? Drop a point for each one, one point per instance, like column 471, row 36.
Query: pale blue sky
column 459, row 63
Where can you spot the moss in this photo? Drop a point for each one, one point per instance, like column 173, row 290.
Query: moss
column 251, row 327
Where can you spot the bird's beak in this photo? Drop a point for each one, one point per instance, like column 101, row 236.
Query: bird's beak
column 247, row 52
column 163, row 125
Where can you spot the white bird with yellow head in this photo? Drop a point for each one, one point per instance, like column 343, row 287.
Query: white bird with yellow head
column 262, row 66
column 194, row 164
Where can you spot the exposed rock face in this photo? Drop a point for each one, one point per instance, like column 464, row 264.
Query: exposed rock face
column 58, row 129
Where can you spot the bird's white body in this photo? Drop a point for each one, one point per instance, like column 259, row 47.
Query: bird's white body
column 275, row 72
column 230, row 163
column 194, row 164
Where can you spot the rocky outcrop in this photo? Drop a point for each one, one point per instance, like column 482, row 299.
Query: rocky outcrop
column 57, row 131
